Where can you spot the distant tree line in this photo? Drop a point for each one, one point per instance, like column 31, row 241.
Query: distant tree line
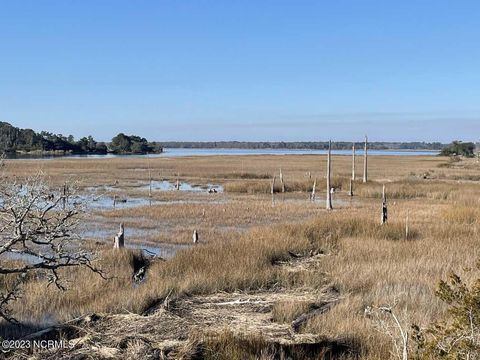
column 304, row 145
column 15, row 140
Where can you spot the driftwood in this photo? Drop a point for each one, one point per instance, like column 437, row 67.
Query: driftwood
column 119, row 240
column 318, row 309
column 329, row 169
column 55, row 331
column 140, row 275
column 365, row 161
column 293, row 255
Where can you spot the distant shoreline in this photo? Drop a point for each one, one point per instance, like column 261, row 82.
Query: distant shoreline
column 191, row 152
column 304, row 145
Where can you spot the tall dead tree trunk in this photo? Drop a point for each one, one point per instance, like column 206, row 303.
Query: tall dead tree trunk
column 384, row 217
column 119, row 241
column 365, row 161
column 353, row 162
column 329, row 169
column 272, row 190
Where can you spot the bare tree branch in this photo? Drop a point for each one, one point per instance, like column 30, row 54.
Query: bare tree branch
column 38, row 234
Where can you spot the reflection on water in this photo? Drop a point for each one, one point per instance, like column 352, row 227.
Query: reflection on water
column 105, row 202
column 165, row 185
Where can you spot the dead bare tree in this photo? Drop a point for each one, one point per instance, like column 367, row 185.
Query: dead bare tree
column 350, row 191
column 365, row 161
column 119, row 240
column 312, row 195
column 329, row 169
column 272, row 190
column 384, row 216
column 37, row 228
column 388, row 322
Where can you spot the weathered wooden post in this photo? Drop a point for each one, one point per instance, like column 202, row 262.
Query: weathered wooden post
column 119, row 240
column 177, row 185
column 353, row 162
column 365, row 161
column 114, row 201
column 350, row 192
column 384, row 217
column 312, row 195
column 272, row 190
column 329, row 169
column 195, row 236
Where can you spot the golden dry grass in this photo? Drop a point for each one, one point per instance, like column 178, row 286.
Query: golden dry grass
column 246, row 238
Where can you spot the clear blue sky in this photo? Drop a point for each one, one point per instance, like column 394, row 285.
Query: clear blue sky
column 243, row 70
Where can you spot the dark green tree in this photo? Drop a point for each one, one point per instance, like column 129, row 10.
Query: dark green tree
column 458, row 148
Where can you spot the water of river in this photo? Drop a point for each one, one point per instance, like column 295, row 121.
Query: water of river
column 212, row 152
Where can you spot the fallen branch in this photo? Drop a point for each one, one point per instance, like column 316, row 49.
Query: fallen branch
column 319, row 309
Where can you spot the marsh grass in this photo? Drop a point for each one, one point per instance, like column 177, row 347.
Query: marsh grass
column 241, row 175
column 226, row 345
column 463, row 215
column 367, row 263
column 264, row 187
column 229, row 346
column 248, row 263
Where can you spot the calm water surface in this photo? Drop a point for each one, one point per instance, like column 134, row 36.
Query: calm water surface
column 212, row 152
